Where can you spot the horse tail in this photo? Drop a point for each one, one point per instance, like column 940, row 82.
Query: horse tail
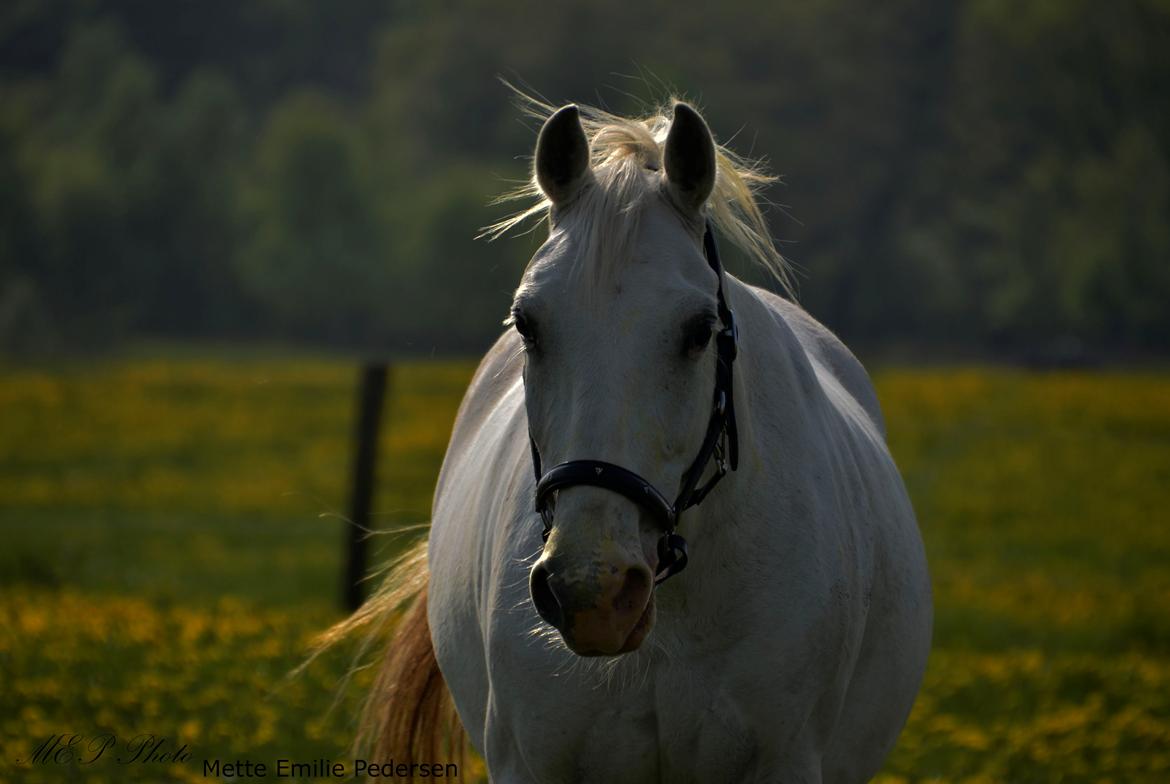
column 409, row 715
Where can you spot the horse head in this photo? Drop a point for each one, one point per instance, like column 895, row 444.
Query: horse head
column 616, row 312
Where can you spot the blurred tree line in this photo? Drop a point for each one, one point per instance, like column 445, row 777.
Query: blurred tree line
column 982, row 174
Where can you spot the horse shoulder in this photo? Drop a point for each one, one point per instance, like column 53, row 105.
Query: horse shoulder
column 827, row 350
column 467, row 534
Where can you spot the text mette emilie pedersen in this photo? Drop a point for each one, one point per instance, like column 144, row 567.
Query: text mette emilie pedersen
column 325, row 768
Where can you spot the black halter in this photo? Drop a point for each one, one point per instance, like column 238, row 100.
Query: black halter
column 719, row 442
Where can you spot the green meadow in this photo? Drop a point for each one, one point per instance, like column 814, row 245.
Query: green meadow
column 172, row 539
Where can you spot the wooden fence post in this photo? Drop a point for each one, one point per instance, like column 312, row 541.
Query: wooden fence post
column 371, row 394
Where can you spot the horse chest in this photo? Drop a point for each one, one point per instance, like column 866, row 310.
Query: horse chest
column 678, row 726
column 708, row 744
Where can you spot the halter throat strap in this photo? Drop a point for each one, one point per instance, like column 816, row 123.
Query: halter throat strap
column 720, row 442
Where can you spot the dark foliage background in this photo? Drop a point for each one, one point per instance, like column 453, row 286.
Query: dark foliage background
column 981, row 176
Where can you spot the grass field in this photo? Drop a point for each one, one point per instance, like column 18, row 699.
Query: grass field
column 172, row 541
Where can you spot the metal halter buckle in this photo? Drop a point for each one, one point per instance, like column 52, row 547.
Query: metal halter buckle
column 720, row 455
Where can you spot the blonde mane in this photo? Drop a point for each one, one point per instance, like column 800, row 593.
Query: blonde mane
column 625, row 153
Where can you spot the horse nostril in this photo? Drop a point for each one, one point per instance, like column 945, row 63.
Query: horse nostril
column 545, row 598
column 634, row 592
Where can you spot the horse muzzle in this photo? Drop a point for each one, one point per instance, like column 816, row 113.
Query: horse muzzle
column 601, row 610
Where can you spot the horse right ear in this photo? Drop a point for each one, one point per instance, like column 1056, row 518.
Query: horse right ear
column 562, row 155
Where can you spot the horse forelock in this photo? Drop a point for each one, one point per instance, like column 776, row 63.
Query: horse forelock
column 626, row 158
column 605, row 217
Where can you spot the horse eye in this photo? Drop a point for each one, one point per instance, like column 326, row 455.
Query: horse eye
column 524, row 327
column 697, row 335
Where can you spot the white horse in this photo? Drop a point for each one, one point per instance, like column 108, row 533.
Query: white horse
column 793, row 645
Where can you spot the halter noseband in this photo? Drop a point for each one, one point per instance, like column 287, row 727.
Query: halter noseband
column 720, row 442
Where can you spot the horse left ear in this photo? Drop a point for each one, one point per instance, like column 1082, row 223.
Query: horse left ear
column 689, row 157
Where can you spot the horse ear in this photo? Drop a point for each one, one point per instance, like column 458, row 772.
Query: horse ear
column 562, row 155
column 689, row 156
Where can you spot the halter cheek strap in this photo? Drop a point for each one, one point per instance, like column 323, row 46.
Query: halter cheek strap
column 720, row 443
